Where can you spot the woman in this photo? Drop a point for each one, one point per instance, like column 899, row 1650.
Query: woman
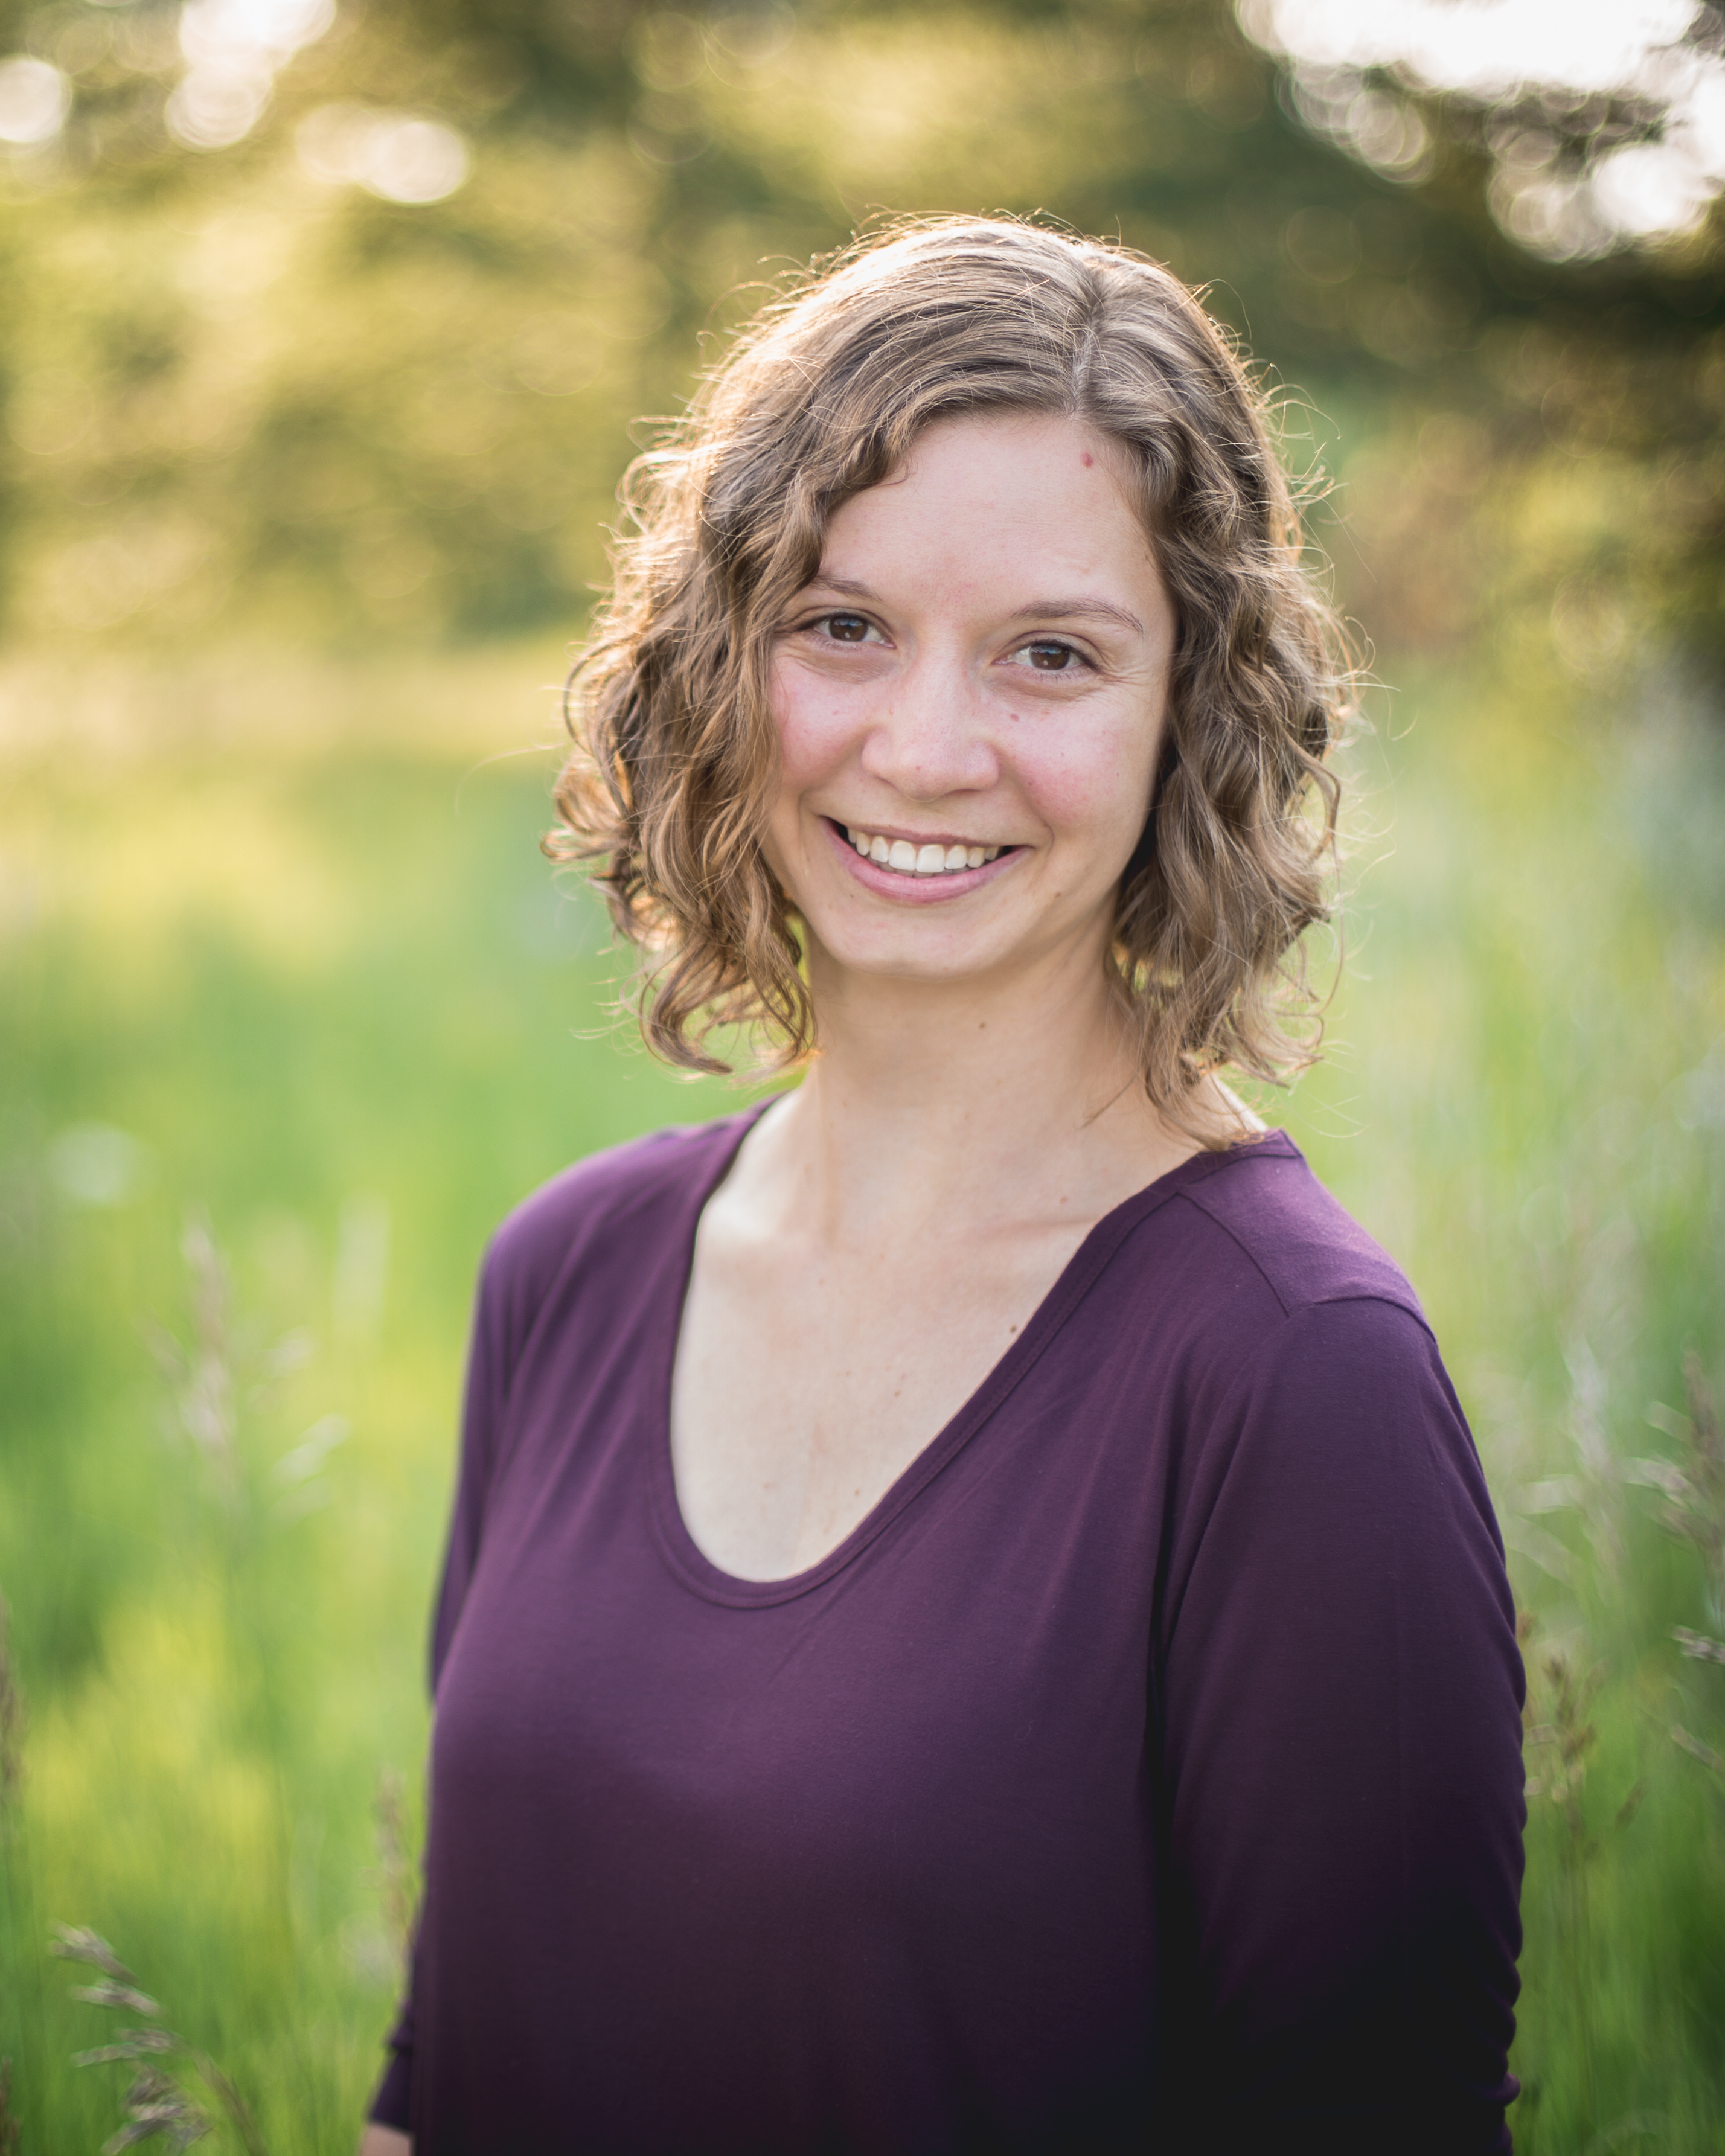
column 972, row 1620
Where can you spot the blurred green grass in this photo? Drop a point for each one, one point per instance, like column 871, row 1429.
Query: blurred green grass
column 298, row 948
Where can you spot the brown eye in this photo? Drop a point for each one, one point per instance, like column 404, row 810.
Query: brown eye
column 846, row 628
column 1050, row 658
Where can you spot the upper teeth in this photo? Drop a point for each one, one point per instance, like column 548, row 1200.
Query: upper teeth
column 919, row 860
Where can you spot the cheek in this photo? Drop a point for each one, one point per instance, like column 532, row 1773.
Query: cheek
column 1094, row 783
column 816, row 727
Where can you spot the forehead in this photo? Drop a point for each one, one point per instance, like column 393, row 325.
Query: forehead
column 996, row 495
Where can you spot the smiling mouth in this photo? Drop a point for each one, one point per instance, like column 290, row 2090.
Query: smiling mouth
column 901, row 856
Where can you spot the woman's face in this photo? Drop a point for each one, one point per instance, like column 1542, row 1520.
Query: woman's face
column 977, row 677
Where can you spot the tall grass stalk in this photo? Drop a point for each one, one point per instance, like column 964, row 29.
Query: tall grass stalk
column 170, row 2075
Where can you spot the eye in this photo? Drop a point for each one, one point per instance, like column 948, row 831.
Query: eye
column 1046, row 654
column 844, row 627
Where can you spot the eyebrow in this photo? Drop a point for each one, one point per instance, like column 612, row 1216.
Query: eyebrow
column 1072, row 609
column 1082, row 610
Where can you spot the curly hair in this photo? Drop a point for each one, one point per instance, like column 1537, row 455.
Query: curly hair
column 666, row 794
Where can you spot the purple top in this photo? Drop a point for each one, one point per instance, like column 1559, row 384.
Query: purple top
column 1142, row 1772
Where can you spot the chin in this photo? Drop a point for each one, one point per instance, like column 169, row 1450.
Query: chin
column 909, row 950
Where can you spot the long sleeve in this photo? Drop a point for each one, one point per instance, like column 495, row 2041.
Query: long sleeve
column 487, row 1364
column 1339, row 1701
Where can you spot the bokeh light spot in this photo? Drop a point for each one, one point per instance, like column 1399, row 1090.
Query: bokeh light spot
column 34, row 100
column 399, row 156
column 1605, row 121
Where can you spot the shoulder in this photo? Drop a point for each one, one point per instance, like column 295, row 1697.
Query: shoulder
column 628, row 1203
column 1275, row 1321
column 624, row 1182
column 1257, row 1219
column 1312, row 1376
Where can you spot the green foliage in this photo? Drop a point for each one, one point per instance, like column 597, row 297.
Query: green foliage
column 239, row 395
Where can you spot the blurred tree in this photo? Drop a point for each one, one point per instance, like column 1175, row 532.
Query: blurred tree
column 333, row 321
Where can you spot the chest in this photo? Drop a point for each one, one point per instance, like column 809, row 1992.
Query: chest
column 806, row 1385
column 898, row 1810
column 996, row 1617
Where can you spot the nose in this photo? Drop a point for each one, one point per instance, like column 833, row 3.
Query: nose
column 931, row 738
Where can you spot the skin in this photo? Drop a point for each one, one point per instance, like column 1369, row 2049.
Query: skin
column 983, row 658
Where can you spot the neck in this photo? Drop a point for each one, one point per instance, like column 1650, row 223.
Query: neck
column 935, row 1106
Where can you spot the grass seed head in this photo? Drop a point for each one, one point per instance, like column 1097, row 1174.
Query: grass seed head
column 116, row 1994
column 74, row 1942
column 1697, row 1749
column 395, row 1866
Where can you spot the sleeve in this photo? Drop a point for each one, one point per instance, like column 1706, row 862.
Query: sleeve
column 482, row 1424
column 1340, row 1696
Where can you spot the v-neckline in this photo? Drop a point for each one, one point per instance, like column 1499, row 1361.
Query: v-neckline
column 690, row 1562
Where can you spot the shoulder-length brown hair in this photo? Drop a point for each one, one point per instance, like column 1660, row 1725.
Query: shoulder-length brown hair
column 667, row 792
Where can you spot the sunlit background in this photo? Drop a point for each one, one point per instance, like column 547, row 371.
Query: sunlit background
column 326, row 327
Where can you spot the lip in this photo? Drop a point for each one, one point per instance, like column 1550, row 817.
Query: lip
column 914, row 890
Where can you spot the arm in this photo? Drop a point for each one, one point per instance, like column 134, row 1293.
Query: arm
column 387, row 2131
column 1340, row 1704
